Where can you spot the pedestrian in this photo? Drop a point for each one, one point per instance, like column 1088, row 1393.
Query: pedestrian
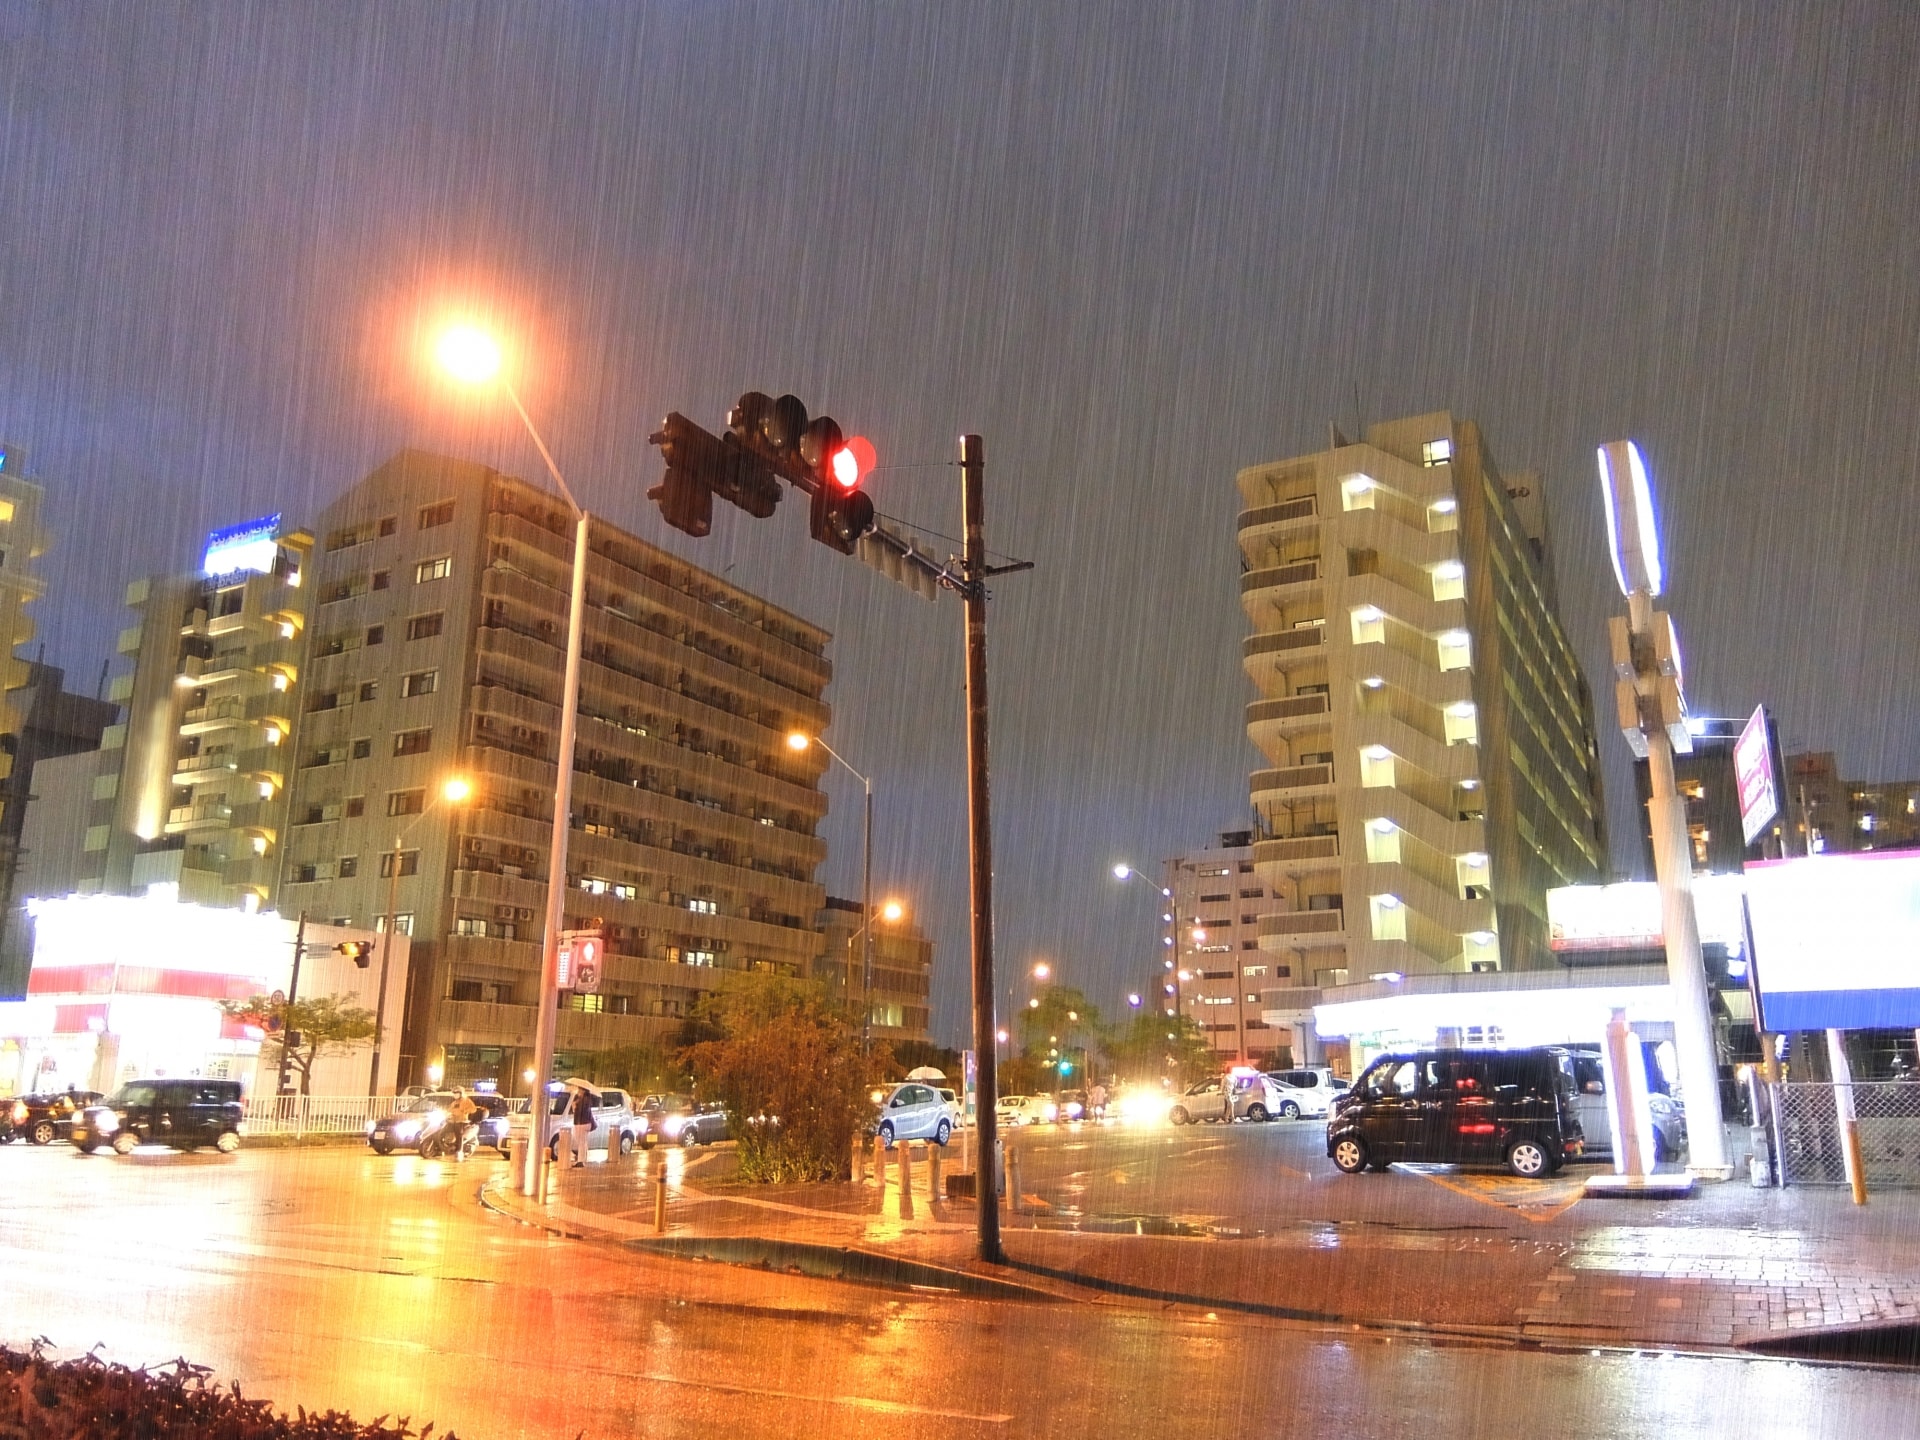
column 581, row 1113
column 1097, row 1100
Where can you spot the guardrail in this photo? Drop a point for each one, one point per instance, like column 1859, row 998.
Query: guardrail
column 316, row 1114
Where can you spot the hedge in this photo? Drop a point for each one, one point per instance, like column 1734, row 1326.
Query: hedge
column 93, row 1399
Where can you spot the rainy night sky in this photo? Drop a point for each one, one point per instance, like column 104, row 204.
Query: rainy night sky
column 1136, row 246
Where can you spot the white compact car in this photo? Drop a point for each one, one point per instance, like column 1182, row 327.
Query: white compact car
column 913, row 1111
column 1310, row 1092
column 1026, row 1110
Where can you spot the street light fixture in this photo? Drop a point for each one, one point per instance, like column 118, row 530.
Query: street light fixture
column 471, row 355
column 455, row 791
column 798, row 741
column 1124, row 871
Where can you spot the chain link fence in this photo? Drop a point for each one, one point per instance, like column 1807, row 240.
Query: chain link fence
column 1805, row 1128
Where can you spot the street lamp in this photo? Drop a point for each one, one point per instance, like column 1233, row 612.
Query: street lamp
column 1124, row 871
column 1042, row 970
column 798, row 741
column 456, row 791
column 472, row 356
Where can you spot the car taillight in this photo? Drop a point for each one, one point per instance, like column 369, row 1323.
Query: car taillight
column 19, row 1112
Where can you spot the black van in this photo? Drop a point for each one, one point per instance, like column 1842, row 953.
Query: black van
column 185, row 1114
column 1463, row 1107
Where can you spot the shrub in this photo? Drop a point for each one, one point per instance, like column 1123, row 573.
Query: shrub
column 90, row 1399
column 788, row 1065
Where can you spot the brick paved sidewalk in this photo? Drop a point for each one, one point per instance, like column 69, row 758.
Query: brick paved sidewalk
column 1730, row 1266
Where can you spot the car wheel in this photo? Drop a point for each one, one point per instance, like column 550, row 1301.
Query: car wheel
column 626, row 1143
column 1289, row 1110
column 380, row 1147
column 689, row 1138
column 1258, row 1113
column 227, row 1142
column 1529, row 1160
column 1350, row 1154
column 125, row 1143
column 86, row 1147
column 886, row 1133
column 942, row 1132
column 553, row 1151
column 1179, row 1116
column 42, row 1133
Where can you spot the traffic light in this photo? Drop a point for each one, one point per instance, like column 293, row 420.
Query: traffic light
column 814, row 455
column 358, row 951
column 700, row 466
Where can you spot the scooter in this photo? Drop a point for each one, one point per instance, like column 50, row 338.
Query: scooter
column 440, row 1140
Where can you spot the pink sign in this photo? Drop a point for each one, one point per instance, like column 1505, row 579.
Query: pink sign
column 1753, row 772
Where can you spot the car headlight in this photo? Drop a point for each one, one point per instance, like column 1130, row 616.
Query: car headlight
column 405, row 1129
column 107, row 1123
column 673, row 1124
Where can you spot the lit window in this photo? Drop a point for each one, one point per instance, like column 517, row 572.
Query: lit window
column 428, row 570
column 1442, row 516
column 1436, row 452
column 1376, row 766
column 1461, row 724
column 1389, row 917
column 703, row 907
column 6, row 511
column 1456, row 652
column 1369, row 625
column 1383, row 842
column 1449, row 580
column 1357, row 492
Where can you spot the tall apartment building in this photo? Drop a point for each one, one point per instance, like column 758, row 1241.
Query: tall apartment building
column 1433, row 769
column 900, row 1001
column 189, row 789
column 437, row 649
column 23, row 540
column 1219, row 970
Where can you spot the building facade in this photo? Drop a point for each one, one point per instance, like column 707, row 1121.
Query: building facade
column 899, row 1003
column 437, row 650
column 1432, row 763
column 1708, row 786
column 1219, row 970
column 1828, row 814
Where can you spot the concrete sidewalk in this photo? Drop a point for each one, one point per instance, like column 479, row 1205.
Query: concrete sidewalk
column 1728, row 1267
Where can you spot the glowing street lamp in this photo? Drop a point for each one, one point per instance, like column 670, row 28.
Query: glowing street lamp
column 472, row 356
column 799, row 742
column 1042, row 970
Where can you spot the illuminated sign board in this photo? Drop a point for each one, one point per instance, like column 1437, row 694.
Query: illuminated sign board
column 1753, row 772
column 1836, row 941
column 252, row 545
column 1627, row 916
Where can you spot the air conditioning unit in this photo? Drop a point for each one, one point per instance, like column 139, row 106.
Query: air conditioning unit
column 503, row 912
column 475, row 845
column 524, row 913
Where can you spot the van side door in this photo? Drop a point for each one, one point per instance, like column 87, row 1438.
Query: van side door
column 1390, row 1117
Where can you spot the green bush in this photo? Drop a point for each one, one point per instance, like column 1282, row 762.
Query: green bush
column 90, row 1399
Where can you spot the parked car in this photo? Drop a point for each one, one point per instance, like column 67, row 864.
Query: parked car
column 616, row 1123
column 911, row 1111
column 403, row 1129
column 43, row 1119
column 1591, row 1104
column 185, row 1114
column 1026, row 1110
column 1073, row 1106
column 1460, row 1107
column 1311, row 1092
column 1226, row 1097
column 681, row 1121
column 956, row 1112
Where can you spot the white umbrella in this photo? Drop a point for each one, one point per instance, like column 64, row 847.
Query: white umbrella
column 576, row 1083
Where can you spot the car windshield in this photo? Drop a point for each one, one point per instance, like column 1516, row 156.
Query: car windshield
column 420, row 1104
column 133, row 1094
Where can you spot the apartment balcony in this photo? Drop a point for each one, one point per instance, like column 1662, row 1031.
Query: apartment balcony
column 199, row 769
column 1270, row 722
column 1302, row 930
column 1291, row 783
column 1281, row 577
column 185, row 819
column 1277, row 861
column 1263, row 522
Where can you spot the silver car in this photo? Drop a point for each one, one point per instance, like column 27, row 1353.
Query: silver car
column 615, row 1124
column 913, row 1112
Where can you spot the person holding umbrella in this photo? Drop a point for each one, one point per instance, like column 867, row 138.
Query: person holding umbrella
column 580, row 1113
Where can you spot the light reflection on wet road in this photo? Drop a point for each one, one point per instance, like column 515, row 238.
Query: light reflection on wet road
column 332, row 1277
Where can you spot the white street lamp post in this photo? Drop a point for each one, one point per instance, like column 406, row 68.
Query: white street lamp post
column 798, row 741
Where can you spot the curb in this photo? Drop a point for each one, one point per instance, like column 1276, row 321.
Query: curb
column 839, row 1262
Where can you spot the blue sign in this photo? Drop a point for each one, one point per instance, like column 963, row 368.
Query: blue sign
column 251, row 545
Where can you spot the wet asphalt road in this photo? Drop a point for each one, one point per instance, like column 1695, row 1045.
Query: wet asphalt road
column 334, row 1278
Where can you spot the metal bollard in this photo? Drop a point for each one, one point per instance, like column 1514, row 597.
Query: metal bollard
column 660, row 1201
column 933, row 1173
column 906, row 1179
column 1013, row 1179
column 880, row 1163
column 858, row 1169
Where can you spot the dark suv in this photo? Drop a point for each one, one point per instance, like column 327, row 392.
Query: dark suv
column 43, row 1119
column 1464, row 1107
column 185, row 1114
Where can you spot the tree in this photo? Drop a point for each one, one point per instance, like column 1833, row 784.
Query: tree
column 1062, row 1027
column 787, row 1063
column 640, row 1067
column 326, row 1025
column 912, row 1054
column 1151, row 1048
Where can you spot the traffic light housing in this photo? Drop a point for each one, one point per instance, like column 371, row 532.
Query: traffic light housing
column 700, row 466
column 358, row 951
